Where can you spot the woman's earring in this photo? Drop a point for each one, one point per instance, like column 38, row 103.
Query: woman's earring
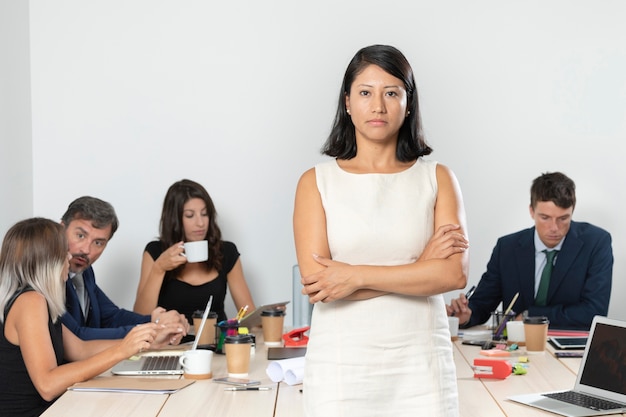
column 348, row 111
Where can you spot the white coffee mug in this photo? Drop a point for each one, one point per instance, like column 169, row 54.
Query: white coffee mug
column 453, row 323
column 197, row 251
column 515, row 331
column 197, row 363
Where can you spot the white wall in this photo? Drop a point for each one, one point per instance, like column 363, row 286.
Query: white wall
column 16, row 177
column 130, row 96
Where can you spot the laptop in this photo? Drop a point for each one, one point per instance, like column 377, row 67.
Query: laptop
column 155, row 363
column 600, row 387
column 254, row 318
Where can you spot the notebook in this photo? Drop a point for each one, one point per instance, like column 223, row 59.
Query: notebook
column 601, row 378
column 159, row 363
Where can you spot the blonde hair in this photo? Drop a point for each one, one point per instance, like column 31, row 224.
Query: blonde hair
column 33, row 254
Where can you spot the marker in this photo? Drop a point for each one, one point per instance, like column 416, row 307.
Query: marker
column 248, row 389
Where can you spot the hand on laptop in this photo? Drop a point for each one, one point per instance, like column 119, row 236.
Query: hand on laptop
column 138, row 339
column 172, row 326
column 168, row 334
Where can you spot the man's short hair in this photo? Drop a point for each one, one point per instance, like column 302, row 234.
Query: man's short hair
column 556, row 187
column 99, row 212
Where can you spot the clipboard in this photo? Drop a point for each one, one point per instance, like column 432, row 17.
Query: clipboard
column 132, row 385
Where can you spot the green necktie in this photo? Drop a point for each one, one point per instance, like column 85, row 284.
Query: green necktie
column 542, row 292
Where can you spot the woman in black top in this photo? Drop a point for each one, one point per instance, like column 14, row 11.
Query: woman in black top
column 168, row 280
column 33, row 342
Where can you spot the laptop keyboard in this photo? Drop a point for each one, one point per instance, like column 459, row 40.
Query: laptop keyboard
column 586, row 401
column 160, row 363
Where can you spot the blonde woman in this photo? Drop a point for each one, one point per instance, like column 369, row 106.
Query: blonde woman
column 34, row 344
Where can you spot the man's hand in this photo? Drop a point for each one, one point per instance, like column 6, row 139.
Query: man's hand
column 459, row 308
column 172, row 325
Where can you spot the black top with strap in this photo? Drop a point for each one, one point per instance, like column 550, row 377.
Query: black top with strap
column 18, row 395
column 186, row 298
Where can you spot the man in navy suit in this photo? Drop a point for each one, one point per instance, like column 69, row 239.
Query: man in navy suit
column 89, row 225
column 579, row 286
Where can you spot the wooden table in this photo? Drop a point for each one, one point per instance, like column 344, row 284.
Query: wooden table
column 477, row 397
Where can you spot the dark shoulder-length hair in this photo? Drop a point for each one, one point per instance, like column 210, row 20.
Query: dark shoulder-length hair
column 341, row 142
column 171, row 227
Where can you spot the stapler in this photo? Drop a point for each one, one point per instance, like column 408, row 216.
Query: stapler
column 491, row 368
column 296, row 337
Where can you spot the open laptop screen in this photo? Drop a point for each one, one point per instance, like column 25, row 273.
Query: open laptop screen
column 605, row 365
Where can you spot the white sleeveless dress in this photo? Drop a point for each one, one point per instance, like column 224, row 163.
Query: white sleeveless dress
column 390, row 355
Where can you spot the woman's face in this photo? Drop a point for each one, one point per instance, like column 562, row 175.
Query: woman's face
column 377, row 104
column 195, row 220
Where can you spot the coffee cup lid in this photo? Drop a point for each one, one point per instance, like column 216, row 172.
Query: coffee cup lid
column 238, row 338
column 536, row 320
column 273, row 312
column 200, row 313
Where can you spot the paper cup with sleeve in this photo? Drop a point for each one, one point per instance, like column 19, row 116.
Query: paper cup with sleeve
column 208, row 332
column 196, row 251
column 238, row 350
column 272, row 321
column 536, row 333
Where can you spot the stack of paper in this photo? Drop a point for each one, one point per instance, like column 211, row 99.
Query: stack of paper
column 289, row 370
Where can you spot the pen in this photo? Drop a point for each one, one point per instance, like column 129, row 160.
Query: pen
column 248, row 389
column 469, row 293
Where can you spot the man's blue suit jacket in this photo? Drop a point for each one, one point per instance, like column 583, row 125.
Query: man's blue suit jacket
column 580, row 285
column 104, row 320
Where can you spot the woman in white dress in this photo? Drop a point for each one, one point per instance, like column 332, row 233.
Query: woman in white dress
column 380, row 236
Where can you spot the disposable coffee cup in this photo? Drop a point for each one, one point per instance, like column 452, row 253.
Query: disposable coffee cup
column 196, row 251
column 237, row 349
column 536, row 333
column 515, row 332
column 197, row 364
column 272, row 322
column 208, row 332
column 453, row 324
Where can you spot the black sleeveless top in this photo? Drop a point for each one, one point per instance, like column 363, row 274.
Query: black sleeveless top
column 18, row 396
column 184, row 298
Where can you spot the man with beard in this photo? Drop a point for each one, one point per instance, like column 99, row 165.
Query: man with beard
column 89, row 225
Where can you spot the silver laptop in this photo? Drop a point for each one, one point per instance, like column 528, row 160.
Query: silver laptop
column 600, row 387
column 159, row 364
